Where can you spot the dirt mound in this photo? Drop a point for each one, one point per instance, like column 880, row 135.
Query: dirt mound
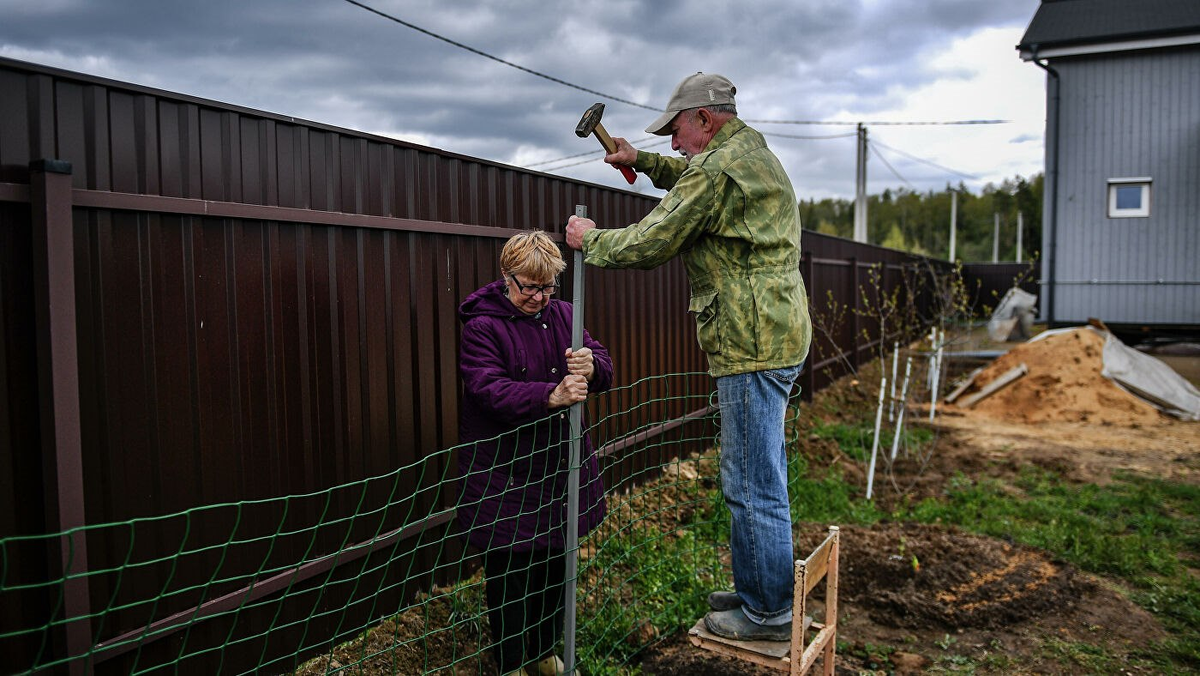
column 1063, row 385
column 922, row 577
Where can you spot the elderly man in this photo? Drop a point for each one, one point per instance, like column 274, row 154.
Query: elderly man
column 731, row 214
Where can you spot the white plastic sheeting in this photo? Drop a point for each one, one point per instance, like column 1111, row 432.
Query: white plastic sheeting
column 1013, row 316
column 1150, row 379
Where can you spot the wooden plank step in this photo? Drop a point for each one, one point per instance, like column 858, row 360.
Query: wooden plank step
column 773, row 654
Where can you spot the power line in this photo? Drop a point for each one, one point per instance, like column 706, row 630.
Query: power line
column 660, row 142
column 572, row 164
column 879, row 123
column 498, row 59
column 618, row 99
column 809, row 138
column 592, row 152
column 890, row 167
column 657, row 143
column 575, row 164
column 924, row 161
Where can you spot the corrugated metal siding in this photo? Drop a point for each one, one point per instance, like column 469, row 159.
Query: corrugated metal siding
column 21, row 480
column 1129, row 115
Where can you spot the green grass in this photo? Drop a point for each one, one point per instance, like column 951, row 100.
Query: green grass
column 1086, row 657
column 1131, row 528
column 652, row 585
column 874, row 657
column 855, row 440
column 827, row 499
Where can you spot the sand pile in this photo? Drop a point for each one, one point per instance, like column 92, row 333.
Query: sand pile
column 1063, row 385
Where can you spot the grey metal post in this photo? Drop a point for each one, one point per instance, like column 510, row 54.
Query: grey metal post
column 953, row 225
column 995, row 237
column 573, row 468
column 860, row 186
column 1020, row 232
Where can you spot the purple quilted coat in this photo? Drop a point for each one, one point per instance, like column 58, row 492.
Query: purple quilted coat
column 513, row 461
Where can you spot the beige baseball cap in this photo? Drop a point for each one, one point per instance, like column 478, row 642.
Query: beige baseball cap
column 696, row 91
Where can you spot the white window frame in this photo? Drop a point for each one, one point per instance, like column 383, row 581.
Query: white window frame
column 1141, row 212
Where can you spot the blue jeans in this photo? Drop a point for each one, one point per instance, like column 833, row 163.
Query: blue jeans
column 754, row 480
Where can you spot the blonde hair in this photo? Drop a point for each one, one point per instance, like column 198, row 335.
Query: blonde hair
column 533, row 254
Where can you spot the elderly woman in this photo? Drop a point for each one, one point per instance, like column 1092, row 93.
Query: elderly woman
column 519, row 376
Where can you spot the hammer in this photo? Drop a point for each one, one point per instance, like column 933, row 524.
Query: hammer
column 590, row 124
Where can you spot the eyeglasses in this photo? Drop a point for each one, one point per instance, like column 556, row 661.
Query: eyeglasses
column 533, row 289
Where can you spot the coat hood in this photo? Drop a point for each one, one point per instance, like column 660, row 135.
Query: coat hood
column 488, row 301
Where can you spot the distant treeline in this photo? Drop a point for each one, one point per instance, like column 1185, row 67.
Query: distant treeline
column 920, row 222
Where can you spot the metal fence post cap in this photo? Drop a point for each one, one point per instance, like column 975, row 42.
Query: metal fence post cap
column 51, row 166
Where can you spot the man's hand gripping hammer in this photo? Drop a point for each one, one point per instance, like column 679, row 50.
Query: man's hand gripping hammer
column 590, row 124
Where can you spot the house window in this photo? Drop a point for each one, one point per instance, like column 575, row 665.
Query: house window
column 1128, row 197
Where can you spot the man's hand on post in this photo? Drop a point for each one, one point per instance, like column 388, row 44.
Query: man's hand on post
column 576, row 228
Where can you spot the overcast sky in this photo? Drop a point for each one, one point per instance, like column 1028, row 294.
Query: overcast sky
column 828, row 60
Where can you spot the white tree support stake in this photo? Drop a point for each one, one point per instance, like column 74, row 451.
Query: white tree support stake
column 937, row 368
column 900, row 415
column 932, row 349
column 892, row 395
column 875, row 444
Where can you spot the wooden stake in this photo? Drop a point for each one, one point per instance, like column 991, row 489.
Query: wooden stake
column 963, row 386
column 992, row 387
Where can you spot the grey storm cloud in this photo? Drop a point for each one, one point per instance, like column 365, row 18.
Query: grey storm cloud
column 333, row 62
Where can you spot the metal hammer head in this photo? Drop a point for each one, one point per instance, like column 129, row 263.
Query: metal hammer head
column 591, row 118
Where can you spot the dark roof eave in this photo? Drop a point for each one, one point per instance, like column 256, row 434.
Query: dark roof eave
column 1128, row 37
column 1034, row 51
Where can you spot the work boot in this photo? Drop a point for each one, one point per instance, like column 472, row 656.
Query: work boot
column 734, row 625
column 551, row 666
column 724, row 600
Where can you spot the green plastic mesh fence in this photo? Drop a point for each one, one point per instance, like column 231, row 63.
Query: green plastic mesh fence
column 379, row 576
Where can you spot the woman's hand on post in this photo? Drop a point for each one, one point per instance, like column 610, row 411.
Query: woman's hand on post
column 572, row 389
column 580, row 363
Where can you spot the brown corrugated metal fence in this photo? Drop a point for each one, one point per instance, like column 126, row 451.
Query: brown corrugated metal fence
column 202, row 304
column 988, row 282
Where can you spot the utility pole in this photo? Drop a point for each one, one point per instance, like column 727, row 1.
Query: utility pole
column 860, row 186
column 1020, row 228
column 953, row 222
column 995, row 237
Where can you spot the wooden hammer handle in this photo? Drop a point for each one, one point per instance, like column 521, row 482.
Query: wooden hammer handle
column 610, row 147
column 605, row 140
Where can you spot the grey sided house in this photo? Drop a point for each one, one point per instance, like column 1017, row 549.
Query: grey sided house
column 1121, row 240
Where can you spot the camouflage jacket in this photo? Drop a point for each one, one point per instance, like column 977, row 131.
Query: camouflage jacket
column 731, row 214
